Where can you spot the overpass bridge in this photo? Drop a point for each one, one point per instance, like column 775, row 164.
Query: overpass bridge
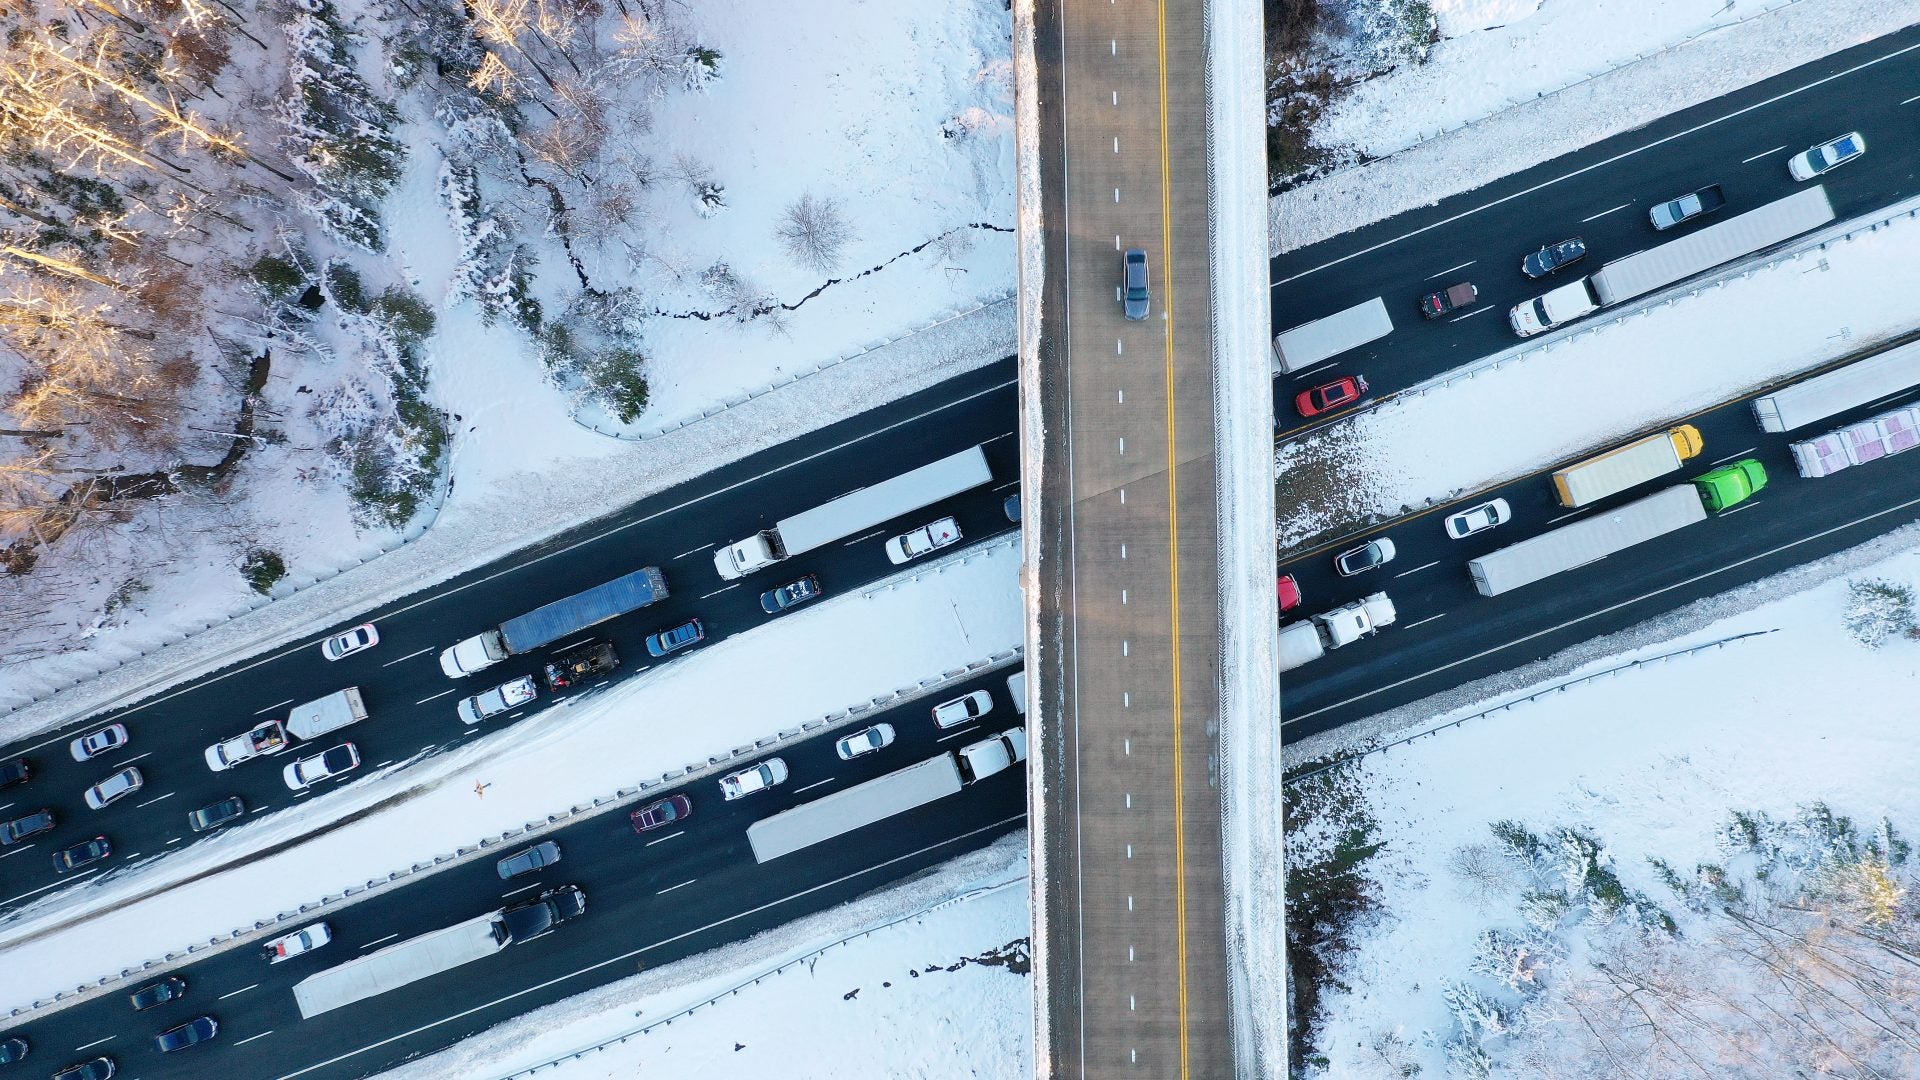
column 1150, row 591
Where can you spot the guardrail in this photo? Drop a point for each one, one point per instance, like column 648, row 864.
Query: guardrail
column 629, row 434
column 1558, row 688
column 599, row 804
column 755, row 980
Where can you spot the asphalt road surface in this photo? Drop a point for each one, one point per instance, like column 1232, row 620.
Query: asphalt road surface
column 651, row 899
column 1448, row 634
column 1602, row 192
column 411, row 703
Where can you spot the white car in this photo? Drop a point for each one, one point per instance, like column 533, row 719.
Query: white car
column 88, row 747
column 909, row 546
column 756, row 778
column 300, row 941
column 865, row 741
column 509, row 695
column 1371, row 555
column 1826, row 157
column 309, row 771
column 962, row 709
column 1479, row 518
column 358, row 639
column 988, row 756
column 119, row 785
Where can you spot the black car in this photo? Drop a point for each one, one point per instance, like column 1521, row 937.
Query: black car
column 197, row 1030
column 17, row 771
column 792, row 594
column 171, row 988
column 217, row 814
column 84, row 853
column 12, row 1050
column 540, row 914
column 100, row 1068
column 578, row 664
column 1554, row 258
column 12, row 832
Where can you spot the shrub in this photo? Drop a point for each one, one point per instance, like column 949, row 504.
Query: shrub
column 278, row 276
column 1878, row 608
column 408, row 316
column 343, row 281
column 263, row 569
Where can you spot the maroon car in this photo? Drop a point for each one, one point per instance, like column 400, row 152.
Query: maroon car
column 1435, row 304
column 1340, row 392
column 659, row 815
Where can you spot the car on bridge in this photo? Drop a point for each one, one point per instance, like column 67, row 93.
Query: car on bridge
column 100, row 1068
column 197, row 1030
column 931, row 537
column 88, row 747
column 747, row 781
column 1137, row 296
column 675, row 638
column 1436, row 304
column 214, row 815
column 171, row 988
column 1687, row 207
column 962, row 709
column 661, row 813
column 508, row 695
column 527, row 860
column 12, row 832
column 790, row 595
column 864, row 741
column 1371, row 555
column 303, row 940
column 118, row 786
column 580, row 663
column 342, row 645
column 1479, row 518
column 17, row 771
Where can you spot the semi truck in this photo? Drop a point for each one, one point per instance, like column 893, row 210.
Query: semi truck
column 856, row 807
column 1325, row 338
column 1859, row 383
column 434, row 952
column 1615, row 530
column 1681, row 258
column 1623, row 467
column 1674, row 261
column 548, row 624
column 1309, row 639
column 261, row 739
column 330, row 713
column 1890, row 433
column 854, row 512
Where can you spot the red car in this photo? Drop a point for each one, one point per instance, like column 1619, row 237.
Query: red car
column 1340, row 392
column 1289, row 594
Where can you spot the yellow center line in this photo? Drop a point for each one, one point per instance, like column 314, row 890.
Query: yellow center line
column 1173, row 543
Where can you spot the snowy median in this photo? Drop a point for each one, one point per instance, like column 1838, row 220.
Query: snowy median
column 1667, row 360
column 965, row 609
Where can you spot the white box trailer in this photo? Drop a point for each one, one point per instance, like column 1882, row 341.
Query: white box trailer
column 853, row 808
column 1586, row 541
column 1679, row 259
column 1885, row 435
column 330, row 713
column 1322, row 339
column 399, row 964
column 1859, row 383
column 855, row 511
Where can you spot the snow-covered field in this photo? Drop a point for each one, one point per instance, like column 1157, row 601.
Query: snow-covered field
column 924, row 979
column 1601, row 383
column 1410, row 104
column 967, row 609
column 1652, row 763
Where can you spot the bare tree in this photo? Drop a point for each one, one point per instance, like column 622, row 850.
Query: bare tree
column 814, row 232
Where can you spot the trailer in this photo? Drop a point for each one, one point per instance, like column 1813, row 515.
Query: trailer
column 854, row 808
column 1859, row 383
column 330, row 713
column 549, row 623
column 855, row 512
column 1324, row 338
column 1586, row 541
column 1637, row 462
column 401, row 963
column 1697, row 252
column 1890, row 433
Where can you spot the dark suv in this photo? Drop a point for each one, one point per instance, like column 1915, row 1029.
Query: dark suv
column 84, row 853
column 1554, row 258
column 792, row 594
column 675, row 638
column 216, row 814
column 12, row 832
column 16, row 771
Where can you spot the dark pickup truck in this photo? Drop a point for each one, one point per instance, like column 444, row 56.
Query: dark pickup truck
column 584, row 662
column 1705, row 201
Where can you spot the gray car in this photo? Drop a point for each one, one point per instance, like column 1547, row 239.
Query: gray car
column 540, row 855
column 217, row 814
column 1137, row 296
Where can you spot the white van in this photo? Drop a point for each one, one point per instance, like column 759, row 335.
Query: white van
column 330, row 713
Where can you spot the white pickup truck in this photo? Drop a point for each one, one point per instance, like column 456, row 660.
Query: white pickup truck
column 263, row 739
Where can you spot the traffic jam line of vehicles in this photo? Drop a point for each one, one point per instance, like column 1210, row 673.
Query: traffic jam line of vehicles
column 1583, row 484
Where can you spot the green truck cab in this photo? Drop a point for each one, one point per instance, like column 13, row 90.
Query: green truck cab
column 1730, row 485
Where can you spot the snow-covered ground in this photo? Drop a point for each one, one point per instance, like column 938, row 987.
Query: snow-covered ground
column 967, row 609
column 1652, row 762
column 900, row 113
column 1597, row 384
column 924, row 979
column 1408, row 103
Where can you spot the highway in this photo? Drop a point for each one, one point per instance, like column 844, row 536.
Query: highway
column 1447, row 634
column 1740, row 141
column 651, row 899
column 411, row 703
